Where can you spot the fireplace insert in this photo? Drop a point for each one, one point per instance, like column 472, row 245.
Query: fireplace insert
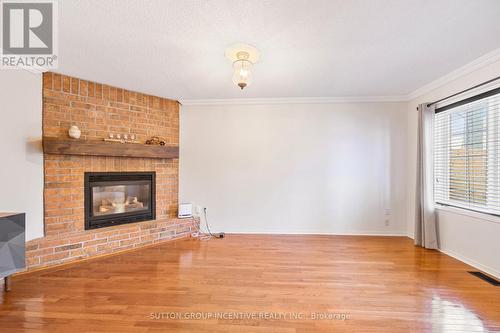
column 113, row 198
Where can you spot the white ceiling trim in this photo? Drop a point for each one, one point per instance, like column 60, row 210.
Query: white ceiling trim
column 483, row 61
column 294, row 100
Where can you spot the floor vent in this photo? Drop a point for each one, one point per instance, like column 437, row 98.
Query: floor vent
column 486, row 278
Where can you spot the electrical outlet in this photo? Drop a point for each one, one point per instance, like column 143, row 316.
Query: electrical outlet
column 387, row 211
column 387, row 222
column 198, row 210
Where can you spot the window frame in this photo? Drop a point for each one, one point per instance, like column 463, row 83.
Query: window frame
column 468, row 100
column 489, row 93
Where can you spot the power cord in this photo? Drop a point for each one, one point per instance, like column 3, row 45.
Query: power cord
column 218, row 235
column 200, row 233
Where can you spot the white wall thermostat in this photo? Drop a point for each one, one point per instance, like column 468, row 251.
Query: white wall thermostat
column 185, row 210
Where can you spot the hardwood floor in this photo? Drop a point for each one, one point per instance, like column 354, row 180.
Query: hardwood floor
column 383, row 284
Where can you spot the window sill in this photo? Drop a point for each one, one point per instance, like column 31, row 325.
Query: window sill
column 465, row 212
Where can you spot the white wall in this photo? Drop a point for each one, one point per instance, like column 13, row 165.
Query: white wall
column 296, row 168
column 21, row 166
column 473, row 238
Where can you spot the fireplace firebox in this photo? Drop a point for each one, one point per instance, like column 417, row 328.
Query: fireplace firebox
column 113, row 198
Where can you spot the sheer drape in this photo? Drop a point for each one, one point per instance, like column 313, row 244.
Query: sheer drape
column 425, row 217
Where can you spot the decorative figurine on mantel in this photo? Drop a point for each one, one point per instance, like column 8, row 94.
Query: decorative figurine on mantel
column 125, row 138
column 155, row 141
column 74, row 132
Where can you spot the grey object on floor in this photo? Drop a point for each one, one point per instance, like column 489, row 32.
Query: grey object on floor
column 12, row 243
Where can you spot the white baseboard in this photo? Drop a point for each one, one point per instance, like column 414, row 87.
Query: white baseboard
column 489, row 270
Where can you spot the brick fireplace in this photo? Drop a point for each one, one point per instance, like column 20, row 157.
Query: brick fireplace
column 98, row 110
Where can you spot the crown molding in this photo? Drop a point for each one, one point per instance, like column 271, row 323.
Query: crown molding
column 294, row 100
column 483, row 61
column 36, row 69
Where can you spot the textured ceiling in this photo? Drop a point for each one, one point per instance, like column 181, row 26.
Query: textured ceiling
column 310, row 48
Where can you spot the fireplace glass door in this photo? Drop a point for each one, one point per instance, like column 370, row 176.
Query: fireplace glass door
column 118, row 198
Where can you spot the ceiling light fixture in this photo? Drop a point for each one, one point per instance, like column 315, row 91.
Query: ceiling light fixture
column 243, row 57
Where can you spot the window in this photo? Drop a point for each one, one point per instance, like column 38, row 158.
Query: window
column 467, row 153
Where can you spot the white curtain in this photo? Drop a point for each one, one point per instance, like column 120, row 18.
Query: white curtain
column 425, row 217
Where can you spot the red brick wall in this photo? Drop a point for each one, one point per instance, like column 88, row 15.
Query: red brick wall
column 59, row 249
column 97, row 110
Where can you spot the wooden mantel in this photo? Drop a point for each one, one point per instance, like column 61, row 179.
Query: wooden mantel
column 103, row 148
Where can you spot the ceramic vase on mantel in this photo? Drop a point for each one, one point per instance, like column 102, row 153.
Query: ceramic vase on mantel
column 74, row 132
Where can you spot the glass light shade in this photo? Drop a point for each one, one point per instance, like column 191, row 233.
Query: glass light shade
column 242, row 76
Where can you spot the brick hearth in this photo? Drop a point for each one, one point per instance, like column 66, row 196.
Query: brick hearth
column 97, row 110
